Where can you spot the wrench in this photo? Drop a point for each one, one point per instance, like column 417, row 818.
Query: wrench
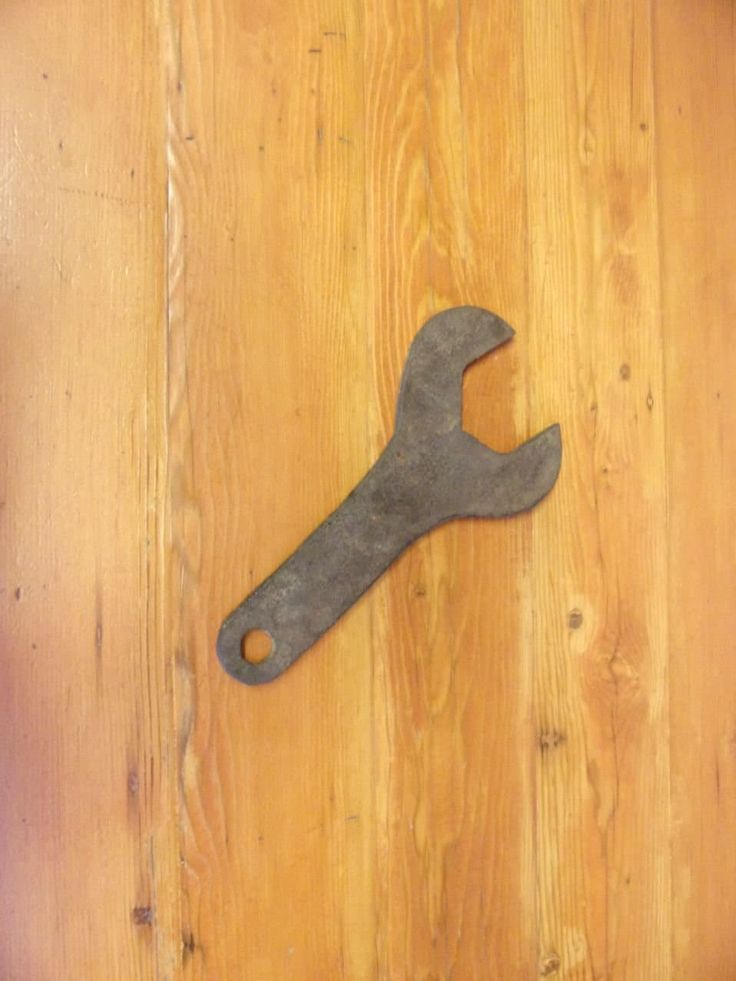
column 430, row 472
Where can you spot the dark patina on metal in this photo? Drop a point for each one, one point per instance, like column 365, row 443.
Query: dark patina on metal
column 430, row 472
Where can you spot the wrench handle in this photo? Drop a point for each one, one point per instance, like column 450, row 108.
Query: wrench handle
column 332, row 568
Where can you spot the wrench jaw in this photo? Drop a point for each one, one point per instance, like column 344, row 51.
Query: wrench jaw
column 430, row 397
column 498, row 485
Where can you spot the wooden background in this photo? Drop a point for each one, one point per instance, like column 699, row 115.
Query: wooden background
column 221, row 223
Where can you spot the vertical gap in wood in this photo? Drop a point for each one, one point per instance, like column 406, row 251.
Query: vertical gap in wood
column 529, row 851
column 661, row 386
column 664, row 389
column 169, row 943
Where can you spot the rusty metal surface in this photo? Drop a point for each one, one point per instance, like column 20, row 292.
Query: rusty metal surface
column 430, row 472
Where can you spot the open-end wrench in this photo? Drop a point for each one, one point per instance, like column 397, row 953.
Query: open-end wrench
column 430, row 471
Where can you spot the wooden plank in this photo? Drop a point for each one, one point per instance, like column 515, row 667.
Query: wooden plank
column 445, row 223
column 696, row 139
column 83, row 701
column 267, row 433
column 598, row 616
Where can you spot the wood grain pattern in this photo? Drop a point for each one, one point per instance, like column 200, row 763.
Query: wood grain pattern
column 445, row 226
column 221, row 224
column 599, row 602
column 267, row 388
column 696, row 129
column 86, row 812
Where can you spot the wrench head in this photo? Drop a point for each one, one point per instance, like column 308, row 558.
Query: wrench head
column 461, row 476
column 498, row 485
